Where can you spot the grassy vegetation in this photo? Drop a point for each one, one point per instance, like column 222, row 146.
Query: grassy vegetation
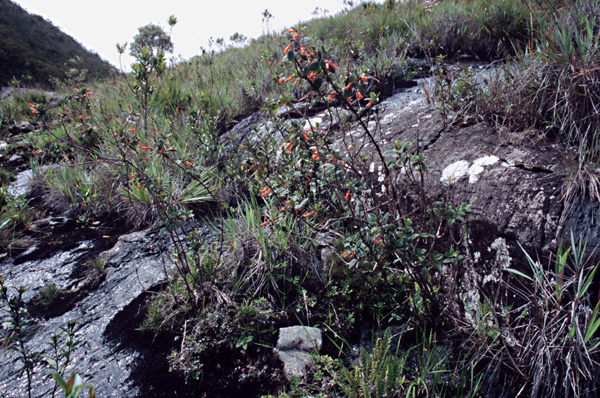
column 303, row 234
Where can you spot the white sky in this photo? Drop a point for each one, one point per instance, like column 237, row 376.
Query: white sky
column 99, row 25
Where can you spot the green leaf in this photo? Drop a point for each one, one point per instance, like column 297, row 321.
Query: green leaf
column 4, row 222
column 60, row 381
column 587, row 283
column 317, row 83
column 516, row 272
column 313, row 67
column 291, row 55
column 593, row 324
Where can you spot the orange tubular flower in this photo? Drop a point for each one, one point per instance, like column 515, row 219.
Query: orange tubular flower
column 288, row 147
column 359, row 96
column 189, row 164
column 308, row 214
column 312, row 76
column 347, row 197
column 280, row 80
column 140, row 186
column 285, row 50
column 265, row 191
column 363, row 78
column 348, row 86
column 265, row 223
column 316, row 157
column 331, row 96
column 290, row 30
column 131, row 130
column 369, row 104
column 331, row 64
column 295, row 36
column 305, row 137
column 289, row 78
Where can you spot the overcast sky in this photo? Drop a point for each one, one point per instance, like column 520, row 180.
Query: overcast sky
column 99, row 25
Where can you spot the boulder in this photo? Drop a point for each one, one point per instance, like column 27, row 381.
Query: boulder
column 295, row 346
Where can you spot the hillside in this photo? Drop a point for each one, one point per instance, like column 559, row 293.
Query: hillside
column 32, row 46
column 411, row 188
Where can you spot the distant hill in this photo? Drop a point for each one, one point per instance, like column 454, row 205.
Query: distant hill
column 33, row 46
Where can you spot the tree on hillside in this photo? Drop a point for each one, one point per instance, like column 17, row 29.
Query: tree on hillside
column 267, row 16
column 153, row 37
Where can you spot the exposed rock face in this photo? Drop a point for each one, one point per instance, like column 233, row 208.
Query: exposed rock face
column 294, row 346
column 107, row 316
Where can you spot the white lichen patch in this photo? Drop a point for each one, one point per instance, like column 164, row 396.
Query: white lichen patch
column 314, row 121
column 456, row 170
column 478, row 167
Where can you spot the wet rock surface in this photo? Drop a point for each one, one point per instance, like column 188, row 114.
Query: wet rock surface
column 113, row 356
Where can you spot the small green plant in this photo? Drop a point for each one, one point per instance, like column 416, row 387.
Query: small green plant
column 379, row 375
column 49, row 295
column 564, row 292
column 73, row 386
column 62, row 347
column 95, row 269
column 456, row 90
column 19, row 331
column 15, row 216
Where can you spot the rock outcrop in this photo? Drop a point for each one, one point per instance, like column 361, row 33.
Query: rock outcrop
column 513, row 186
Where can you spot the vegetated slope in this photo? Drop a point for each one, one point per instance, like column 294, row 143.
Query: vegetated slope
column 32, row 46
